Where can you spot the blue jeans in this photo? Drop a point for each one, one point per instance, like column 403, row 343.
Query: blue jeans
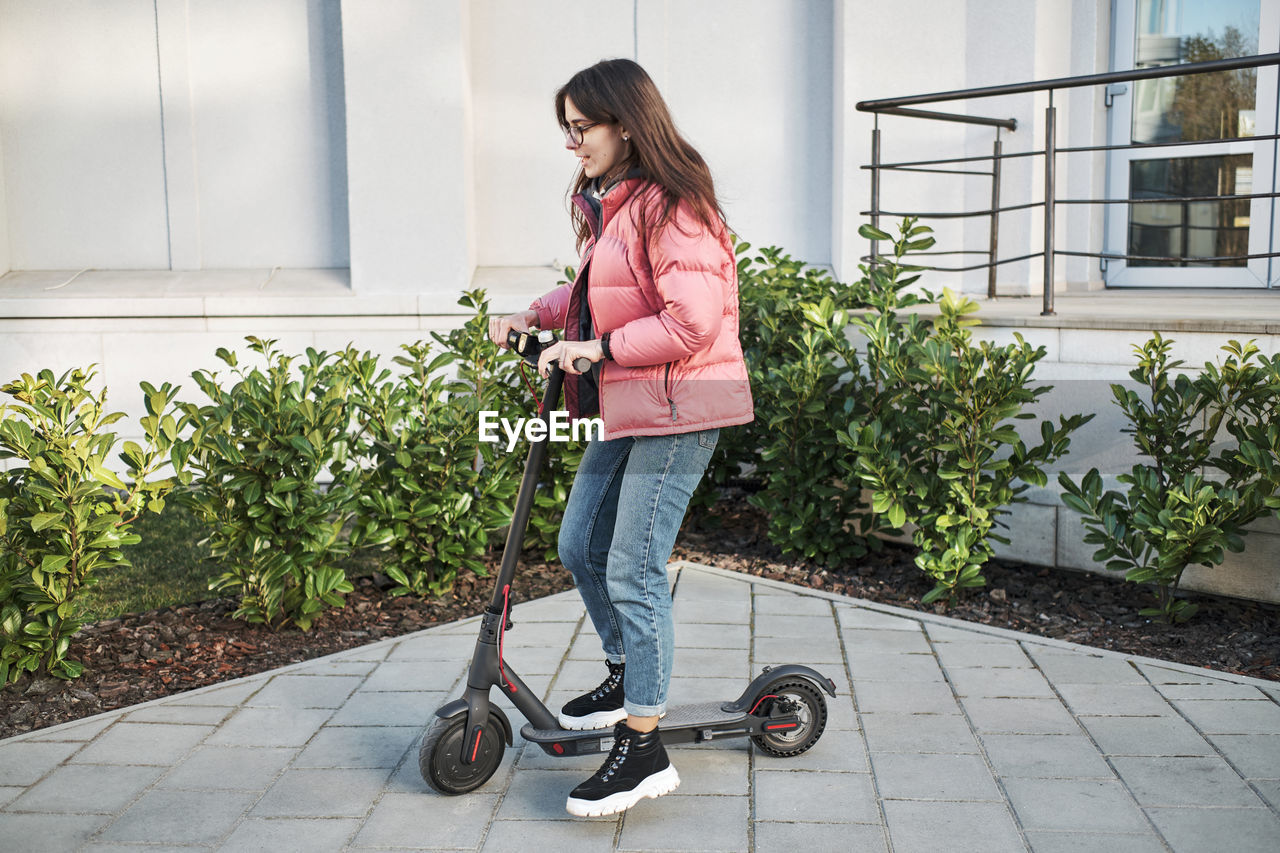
column 625, row 509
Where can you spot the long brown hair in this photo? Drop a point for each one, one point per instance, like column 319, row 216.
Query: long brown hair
column 619, row 91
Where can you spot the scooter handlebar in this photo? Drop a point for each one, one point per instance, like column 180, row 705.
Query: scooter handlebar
column 581, row 364
column 529, row 346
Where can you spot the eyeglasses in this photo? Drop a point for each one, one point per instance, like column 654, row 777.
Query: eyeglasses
column 574, row 132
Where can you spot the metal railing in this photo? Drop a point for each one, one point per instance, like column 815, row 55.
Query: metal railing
column 1050, row 152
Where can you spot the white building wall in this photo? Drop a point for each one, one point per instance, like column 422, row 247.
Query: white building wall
column 881, row 48
column 1007, row 29
column 80, row 125
column 454, row 96
column 409, row 146
column 264, row 82
column 242, row 99
column 748, row 83
column 1087, row 172
column 521, row 53
column 4, row 207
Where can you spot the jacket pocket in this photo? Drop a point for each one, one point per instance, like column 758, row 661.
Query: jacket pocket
column 666, row 385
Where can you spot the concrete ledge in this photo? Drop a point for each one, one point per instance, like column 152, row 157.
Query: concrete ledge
column 47, row 294
column 1168, row 310
column 281, row 293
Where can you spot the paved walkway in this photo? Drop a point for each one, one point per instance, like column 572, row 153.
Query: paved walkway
column 945, row 736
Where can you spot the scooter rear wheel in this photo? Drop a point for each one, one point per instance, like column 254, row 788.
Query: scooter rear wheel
column 440, row 758
column 797, row 697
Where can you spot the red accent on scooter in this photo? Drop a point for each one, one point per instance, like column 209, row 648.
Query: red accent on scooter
column 476, row 749
column 502, row 632
column 779, row 726
column 529, row 385
column 558, row 748
column 758, row 701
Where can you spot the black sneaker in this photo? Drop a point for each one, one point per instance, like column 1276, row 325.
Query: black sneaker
column 637, row 767
column 600, row 708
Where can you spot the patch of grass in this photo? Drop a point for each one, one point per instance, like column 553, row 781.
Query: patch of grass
column 168, row 568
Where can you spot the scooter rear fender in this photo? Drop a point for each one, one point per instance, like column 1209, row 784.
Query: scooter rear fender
column 778, row 673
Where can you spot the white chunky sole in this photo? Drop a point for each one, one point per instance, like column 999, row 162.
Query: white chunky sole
column 662, row 782
column 598, row 720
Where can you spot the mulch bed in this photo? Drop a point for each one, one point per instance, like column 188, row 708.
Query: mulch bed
column 1226, row 634
column 149, row 655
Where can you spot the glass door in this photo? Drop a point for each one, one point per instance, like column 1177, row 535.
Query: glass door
column 1182, row 243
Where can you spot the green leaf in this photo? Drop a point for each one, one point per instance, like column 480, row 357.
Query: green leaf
column 104, row 475
column 52, row 564
column 42, row 520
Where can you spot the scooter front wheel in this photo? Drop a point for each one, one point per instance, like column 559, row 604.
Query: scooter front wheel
column 440, row 758
column 798, row 697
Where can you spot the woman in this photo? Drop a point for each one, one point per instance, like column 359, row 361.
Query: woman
column 654, row 308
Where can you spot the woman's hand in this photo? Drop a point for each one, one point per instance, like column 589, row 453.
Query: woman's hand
column 499, row 327
column 568, row 352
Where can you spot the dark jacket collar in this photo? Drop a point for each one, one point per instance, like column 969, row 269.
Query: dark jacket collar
column 591, row 200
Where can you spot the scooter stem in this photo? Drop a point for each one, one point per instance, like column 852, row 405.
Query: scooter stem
column 528, row 490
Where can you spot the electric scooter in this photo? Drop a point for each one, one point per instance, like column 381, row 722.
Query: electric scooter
column 782, row 710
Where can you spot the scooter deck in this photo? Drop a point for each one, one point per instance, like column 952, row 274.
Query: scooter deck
column 699, row 714
column 695, row 723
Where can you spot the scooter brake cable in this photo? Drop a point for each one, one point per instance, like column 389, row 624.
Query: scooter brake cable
column 532, row 391
column 502, row 633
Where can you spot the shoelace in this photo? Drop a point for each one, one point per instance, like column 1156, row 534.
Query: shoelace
column 610, row 684
column 621, row 747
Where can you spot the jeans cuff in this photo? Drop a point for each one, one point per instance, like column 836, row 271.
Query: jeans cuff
column 615, row 659
column 644, row 710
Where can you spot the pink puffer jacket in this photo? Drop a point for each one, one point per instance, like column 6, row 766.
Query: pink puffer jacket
column 670, row 300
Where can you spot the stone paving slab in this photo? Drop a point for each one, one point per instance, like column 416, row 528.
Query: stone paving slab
column 944, row 736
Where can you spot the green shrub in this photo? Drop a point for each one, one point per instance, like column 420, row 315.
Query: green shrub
column 1184, row 505
column 812, row 508
column 430, row 495
column 64, row 514
column 771, row 287
column 937, row 444
column 559, row 469
column 258, row 451
column 798, row 370
column 923, row 417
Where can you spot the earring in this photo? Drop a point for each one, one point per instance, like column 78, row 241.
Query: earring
column 626, row 138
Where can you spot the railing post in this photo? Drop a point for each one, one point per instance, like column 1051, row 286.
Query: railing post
column 1050, row 156
column 995, row 216
column 875, row 187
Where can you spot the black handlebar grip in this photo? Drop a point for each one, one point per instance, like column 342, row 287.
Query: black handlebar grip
column 529, row 347
column 582, row 364
column 525, row 344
